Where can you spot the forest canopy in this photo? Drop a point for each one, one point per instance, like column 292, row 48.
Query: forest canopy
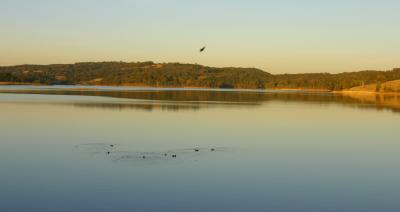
column 185, row 75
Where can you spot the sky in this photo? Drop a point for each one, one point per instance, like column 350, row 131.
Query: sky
column 277, row 36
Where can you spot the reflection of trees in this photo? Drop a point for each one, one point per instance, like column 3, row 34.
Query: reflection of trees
column 197, row 99
column 139, row 106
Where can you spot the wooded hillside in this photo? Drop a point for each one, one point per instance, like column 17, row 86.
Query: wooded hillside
column 186, row 75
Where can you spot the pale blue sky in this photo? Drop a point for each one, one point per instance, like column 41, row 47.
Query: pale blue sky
column 278, row 36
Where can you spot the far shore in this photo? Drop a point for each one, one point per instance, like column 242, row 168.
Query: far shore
column 365, row 92
column 350, row 92
column 149, row 86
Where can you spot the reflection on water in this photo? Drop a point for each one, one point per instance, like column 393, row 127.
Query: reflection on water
column 165, row 106
column 185, row 99
column 220, row 150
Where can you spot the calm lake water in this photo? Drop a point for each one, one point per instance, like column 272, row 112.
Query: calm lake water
column 111, row 149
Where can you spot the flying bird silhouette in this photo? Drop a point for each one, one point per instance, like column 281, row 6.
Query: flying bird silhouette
column 202, row 49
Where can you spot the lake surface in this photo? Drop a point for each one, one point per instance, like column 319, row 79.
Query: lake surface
column 77, row 148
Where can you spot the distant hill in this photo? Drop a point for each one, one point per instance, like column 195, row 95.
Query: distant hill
column 334, row 82
column 186, row 75
column 137, row 74
column 389, row 86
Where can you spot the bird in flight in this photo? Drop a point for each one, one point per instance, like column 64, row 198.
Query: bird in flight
column 202, row 49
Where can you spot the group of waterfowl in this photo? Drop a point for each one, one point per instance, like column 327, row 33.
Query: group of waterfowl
column 117, row 153
column 165, row 154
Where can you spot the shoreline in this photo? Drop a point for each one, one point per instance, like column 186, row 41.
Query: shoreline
column 348, row 92
column 345, row 92
column 166, row 87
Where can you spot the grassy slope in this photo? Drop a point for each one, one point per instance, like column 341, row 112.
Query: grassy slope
column 390, row 86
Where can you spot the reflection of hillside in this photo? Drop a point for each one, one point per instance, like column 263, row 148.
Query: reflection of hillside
column 167, row 106
column 379, row 101
column 197, row 99
column 141, row 106
column 194, row 95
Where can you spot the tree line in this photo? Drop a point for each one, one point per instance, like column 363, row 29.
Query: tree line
column 185, row 75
